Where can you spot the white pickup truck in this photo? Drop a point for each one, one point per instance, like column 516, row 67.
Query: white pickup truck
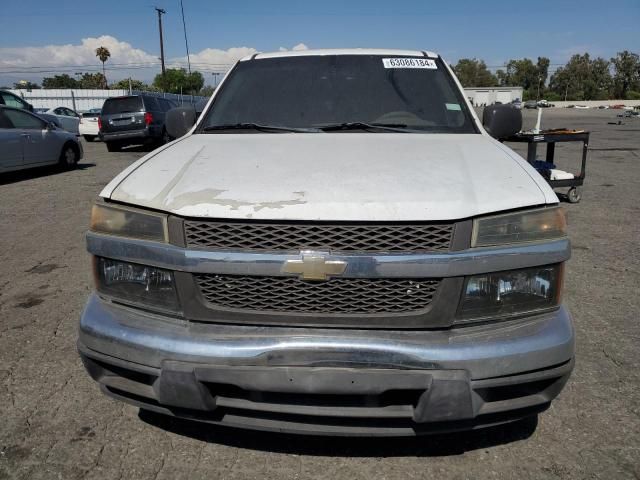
column 336, row 245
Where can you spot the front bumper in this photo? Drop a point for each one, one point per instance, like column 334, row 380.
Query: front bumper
column 328, row 381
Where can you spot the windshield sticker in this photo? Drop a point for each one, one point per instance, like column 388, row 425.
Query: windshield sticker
column 453, row 106
column 409, row 63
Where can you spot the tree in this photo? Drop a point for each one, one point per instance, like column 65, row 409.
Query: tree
column 520, row 73
column 92, row 80
column 600, row 84
column 542, row 67
column 135, row 85
column 501, row 76
column 627, row 76
column 26, row 85
column 524, row 73
column 177, row 80
column 207, row 91
column 560, row 83
column 103, row 54
column 60, row 81
column 582, row 79
column 474, row 73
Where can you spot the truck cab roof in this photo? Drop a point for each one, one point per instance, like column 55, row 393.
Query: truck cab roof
column 342, row 51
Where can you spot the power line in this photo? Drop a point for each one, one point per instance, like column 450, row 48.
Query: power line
column 222, row 67
column 87, row 65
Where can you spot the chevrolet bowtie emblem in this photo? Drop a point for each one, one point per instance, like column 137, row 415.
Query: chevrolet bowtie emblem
column 314, row 266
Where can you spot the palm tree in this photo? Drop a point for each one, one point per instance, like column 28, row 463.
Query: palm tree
column 103, row 54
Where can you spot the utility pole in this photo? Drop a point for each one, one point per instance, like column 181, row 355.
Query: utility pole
column 186, row 43
column 160, row 12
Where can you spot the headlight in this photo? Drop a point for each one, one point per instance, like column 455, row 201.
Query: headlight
column 527, row 226
column 138, row 284
column 510, row 293
column 126, row 222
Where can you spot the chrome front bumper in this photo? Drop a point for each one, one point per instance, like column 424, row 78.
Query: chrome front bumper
column 242, row 375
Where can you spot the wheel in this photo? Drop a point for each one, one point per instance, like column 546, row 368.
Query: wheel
column 113, row 147
column 165, row 138
column 69, row 157
column 89, row 138
column 574, row 195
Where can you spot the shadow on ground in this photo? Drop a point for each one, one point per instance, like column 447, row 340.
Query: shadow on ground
column 31, row 173
column 424, row 446
column 140, row 148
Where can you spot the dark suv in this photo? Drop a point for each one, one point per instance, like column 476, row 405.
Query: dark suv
column 134, row 119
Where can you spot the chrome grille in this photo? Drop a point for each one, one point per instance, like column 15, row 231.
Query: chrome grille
column 296, row 236
column 357, row 296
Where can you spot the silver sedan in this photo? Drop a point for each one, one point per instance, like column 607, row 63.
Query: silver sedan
column 27, row 140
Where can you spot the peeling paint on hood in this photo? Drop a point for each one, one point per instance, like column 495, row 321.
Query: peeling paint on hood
column 332, row 176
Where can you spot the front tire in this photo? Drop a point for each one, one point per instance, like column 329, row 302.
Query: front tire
column 165, row 138
column 113, row 147
column 574, row 195
column 69, row 157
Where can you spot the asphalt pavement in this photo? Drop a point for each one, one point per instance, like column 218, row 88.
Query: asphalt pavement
column 55, row 423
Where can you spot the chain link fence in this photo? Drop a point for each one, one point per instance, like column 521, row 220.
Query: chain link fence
column 82, row 100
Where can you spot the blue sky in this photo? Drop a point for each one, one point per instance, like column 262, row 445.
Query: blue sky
column 493, row 30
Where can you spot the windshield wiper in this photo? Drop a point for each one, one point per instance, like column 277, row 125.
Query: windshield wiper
column 389, row 127
column 257, row 126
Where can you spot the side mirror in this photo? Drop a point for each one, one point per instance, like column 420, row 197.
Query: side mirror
column 180, row 120
column 501, row 121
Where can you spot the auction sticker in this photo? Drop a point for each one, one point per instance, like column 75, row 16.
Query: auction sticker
column 409, row 63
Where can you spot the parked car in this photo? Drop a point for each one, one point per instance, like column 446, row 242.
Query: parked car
column 68, row 118
column 517, row 103
column 545, row 104
column 338, row 245
column 11, row 100
column 26, row 141
column 134, row 119
column 530, row 104
column 49, row 118
column 88, row 126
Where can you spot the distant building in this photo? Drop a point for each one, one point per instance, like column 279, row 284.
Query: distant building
column 482, row 96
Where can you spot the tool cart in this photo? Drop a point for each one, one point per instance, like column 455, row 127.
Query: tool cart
column 546, row 168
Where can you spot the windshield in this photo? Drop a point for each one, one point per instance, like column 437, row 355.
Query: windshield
column 340, row 92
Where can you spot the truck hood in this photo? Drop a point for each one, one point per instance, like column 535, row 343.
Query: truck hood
column 331, row 176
